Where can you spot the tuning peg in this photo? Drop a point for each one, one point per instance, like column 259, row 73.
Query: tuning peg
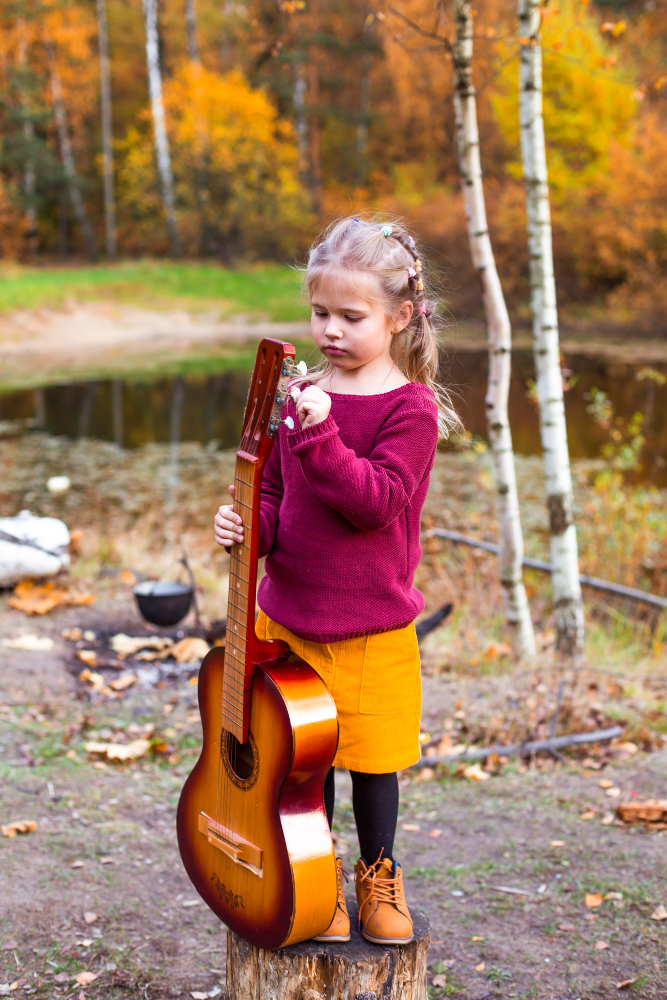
column 295, row 392
column 289, row 422
column 302, row 368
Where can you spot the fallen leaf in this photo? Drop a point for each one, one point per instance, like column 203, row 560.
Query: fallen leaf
column 39, row 599
column 191, row 902
column 61, row 977
column 90, row 917
column 198, row 995
column 475, row 773
column 614, row 895
column 86, row 978
column 434, row 834
column 87, row 656
column 30, row 643
column 660, row 913
column 77, row 864
column 127, row 577
column 477, row 937
column 73, row 634
column 439, row 981
column 556, row 843
column 480, row 967
column 605, row 783
column 411, row 827
column 18, row 826
column 120, row 751
column 425, row 774
column 10, row 946
column 126, row 645
column 123, row 682
column 107, row 861
column 85, row 942
column 626, row 982
column 607, row 819
column 566, row 927
column 589, row 814
column 593, row 899
column 92, row 677
column 600, row 945
column 189, row 650
column 628, row 747
column 613, row 793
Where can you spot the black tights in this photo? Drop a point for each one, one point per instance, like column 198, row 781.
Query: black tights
column 375, row 805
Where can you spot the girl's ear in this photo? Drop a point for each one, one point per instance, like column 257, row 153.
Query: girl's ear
column 403, row 316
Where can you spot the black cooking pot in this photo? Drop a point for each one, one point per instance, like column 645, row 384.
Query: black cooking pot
column 163, row 602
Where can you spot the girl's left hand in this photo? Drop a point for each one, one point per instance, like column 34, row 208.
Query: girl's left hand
column 312, row 406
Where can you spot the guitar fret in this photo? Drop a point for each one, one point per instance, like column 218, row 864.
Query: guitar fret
column 244, row 481
column 239, row 607
column 236, row 687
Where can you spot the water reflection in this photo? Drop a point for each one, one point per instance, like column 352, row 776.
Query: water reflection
column 201, row 408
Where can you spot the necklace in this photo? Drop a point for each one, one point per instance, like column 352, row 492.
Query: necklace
column 393, row 365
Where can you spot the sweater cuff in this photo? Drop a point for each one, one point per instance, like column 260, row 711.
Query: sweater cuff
column 300, row 438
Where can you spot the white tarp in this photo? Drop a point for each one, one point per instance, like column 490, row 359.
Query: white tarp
column 31, row 546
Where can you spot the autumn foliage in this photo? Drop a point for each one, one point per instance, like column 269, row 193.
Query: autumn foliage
column 296, row 109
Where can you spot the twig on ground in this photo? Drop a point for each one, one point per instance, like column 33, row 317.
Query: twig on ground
column 528, row 747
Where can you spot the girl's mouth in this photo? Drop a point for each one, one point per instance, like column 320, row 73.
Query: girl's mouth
column 334, row 350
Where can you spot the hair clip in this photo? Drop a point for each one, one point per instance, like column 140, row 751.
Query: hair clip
column 411, row 272
column 418, row 264
column 422, row 310
column 420, row 285
column 386, row 230
column 411, row 243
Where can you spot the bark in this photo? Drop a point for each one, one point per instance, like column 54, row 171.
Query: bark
column 107, row 130
column 364, row 104
column 510, row 535
column 314, row 123
column 29, row 180
column 66, row 153
column 568, row 606
column 301, row 123
column 162, row 151
column 191, row 31
column 319, row 971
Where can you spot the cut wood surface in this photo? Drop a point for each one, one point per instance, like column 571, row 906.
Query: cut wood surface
column 312, row 970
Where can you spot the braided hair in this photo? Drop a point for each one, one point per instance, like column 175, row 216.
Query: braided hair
column 359, row 247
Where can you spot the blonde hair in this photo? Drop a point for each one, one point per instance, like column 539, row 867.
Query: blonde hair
column 360, row 247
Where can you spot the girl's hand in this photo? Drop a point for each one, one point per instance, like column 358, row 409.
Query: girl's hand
column 312, row 406
column 228, row 525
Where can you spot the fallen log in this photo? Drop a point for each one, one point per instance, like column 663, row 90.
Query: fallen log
column 653, row 600
column 525, row 748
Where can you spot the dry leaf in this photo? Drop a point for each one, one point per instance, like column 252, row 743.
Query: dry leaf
column 74, row 633
column 86, row 978
column 85, row 942
column 77, row 864
column 18, row 826
column 556, row 843
column 475, row 773
column 566, row 927
column 87, row 656
column 628, row 747
column 477, row 937
column 126, row 645
column 61, row 977
column 107, row 861
column 30, row 643
column 605, row 783
column 198, row 995
column 90, row 917
column 480, row 967
column 434, row 834
column 659, row 914
column 411, row 827
column 123, row 682
column 120, row 751
column 439, row 980
column 39, row 599
column 425, row 774
column 127, row 577
column 93, row 678
column 593, row 899
column 613, row 793
column 626, row 982
column 189, row 650
column 589, row 814
column 600, row 945
column 614, row 895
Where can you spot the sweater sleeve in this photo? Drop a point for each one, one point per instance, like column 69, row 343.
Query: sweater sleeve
column 271, row 495
column 369, row 492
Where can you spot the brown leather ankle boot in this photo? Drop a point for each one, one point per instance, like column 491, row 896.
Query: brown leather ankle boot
column 339, row 928
column 383, row 913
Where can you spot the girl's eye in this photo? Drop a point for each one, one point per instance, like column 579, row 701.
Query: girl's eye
column 319, row 313
column 353, row 319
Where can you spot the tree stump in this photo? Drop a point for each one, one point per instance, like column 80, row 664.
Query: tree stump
column 312, row 970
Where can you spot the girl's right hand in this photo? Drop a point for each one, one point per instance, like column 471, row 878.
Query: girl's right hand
column 228, row 525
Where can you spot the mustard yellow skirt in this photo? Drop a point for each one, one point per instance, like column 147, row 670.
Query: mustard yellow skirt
column 375, row 682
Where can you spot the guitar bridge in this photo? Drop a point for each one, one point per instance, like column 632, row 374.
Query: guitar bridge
column 230, row 843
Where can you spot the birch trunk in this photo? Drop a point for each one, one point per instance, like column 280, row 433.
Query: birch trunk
column 568, row 606
column 191, row 31
column 510, row 537
column 29, row 180
column 162, row 152
column 364, row 103
column 66, row 153
column 301, row 124
column 107, row 129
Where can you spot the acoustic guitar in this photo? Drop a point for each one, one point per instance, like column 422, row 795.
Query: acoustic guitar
column 252, row 829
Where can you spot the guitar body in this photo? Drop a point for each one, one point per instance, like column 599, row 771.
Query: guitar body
column 252, row 829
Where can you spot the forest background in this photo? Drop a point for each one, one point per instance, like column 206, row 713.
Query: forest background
column 282, row 114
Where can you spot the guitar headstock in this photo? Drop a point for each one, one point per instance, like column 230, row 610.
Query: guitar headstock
column 267, row 395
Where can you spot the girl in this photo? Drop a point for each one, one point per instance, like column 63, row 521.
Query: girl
column 342, row 493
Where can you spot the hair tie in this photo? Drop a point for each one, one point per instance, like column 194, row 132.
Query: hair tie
column 386, row 230
column 422, row 309
column 411, row 272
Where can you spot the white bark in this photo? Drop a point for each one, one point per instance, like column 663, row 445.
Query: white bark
column 510, row 536
column 162, row 152
column 66, row 153
column 568, row 607
column 107, row 129
column 191, row 31
column 29, row 180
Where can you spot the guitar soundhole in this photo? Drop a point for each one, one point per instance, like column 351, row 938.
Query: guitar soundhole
column 240, row 760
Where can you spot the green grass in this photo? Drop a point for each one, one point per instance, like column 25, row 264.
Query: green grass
column 266, row 291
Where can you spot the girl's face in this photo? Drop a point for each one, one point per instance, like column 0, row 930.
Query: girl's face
column 349, row 329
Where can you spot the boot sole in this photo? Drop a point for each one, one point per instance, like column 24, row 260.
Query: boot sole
column 379, row 940
column 335, row 938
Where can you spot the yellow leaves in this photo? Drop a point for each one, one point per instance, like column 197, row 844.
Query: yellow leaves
column 660, row 913
column 475, row 773
column 593, row 900
column 38, row 599
column 86, row 978
column 18, row 826
column 614, row 28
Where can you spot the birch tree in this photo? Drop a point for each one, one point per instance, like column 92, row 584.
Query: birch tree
column 568, row 606
column 107, row 129
column 510, row 536
column 162, row 152
column 29, row 133
column 66, row 154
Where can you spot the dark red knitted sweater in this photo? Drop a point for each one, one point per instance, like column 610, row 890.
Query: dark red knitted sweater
column 340, row 515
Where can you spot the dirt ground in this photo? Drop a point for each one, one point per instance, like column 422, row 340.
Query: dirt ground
column 501, row 867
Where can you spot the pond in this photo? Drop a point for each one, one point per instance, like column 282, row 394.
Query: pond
column 135, row 411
